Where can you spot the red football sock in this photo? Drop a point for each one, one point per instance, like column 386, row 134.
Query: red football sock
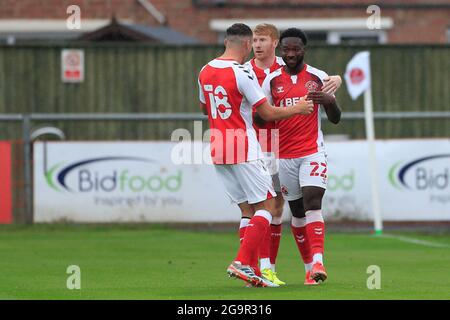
column 242, row 228
column 256, row 229
column 264, row 248
column 256, row 268
column 298, row 227
column 275, row 231
column 315, row 227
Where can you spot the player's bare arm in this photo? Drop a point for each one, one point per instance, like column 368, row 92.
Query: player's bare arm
column 331, row 84
column 260, row 122
column 271, row 113
column 329, row 103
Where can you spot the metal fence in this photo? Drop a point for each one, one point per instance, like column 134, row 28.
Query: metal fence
column 159, row 126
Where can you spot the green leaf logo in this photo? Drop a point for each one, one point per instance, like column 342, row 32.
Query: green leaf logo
column 392, row 173
column 49, row 175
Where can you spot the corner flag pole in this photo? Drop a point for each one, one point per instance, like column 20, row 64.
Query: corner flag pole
column 370, row 136
column 358, row 79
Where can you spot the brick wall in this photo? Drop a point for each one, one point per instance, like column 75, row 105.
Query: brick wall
column 411, row 25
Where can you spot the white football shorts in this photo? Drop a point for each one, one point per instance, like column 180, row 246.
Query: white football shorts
column 246, row 182
column 272, row 164
column 302, row 172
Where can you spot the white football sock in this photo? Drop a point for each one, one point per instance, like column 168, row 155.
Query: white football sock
column 308, row 266
column 244, row 222
column 265, row 264
column 318, row 258
column 277, row 220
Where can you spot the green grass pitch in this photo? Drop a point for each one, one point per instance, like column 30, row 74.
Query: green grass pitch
column 154, row 262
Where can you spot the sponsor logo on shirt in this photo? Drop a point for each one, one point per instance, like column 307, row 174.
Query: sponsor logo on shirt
column 289, row 102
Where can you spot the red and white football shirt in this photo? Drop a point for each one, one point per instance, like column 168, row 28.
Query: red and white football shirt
column 261, row 74
column 264, row 132
column 300, row 135
column 230, row 92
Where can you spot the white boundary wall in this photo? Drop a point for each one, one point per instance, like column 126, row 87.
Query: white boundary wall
column 138, row 181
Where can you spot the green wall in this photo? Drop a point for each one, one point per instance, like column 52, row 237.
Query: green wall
column 142, row 78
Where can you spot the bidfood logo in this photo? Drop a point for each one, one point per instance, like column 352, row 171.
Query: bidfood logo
column 132, row 174
column 345, row 182
column 427, row 173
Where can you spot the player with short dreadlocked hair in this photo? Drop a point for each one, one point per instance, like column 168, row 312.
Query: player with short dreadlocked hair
column 265, row 41
column 303, row 162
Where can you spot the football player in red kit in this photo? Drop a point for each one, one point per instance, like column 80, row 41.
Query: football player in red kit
column 265, row 40
column 303, row 162
column 228, row 93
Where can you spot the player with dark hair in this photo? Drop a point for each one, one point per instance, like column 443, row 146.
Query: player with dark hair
column 303, row 163
column 228, row 92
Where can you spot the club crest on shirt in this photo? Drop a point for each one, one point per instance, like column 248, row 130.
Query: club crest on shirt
column 311, row 86
column 280, row 89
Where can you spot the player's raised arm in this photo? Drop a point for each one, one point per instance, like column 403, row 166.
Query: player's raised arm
column 249, row 87
column 271, row 113
column 329, row 103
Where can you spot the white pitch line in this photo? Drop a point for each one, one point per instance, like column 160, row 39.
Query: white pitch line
column 416, row 241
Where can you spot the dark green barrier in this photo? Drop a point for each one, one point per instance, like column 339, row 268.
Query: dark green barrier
column 142, row 78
